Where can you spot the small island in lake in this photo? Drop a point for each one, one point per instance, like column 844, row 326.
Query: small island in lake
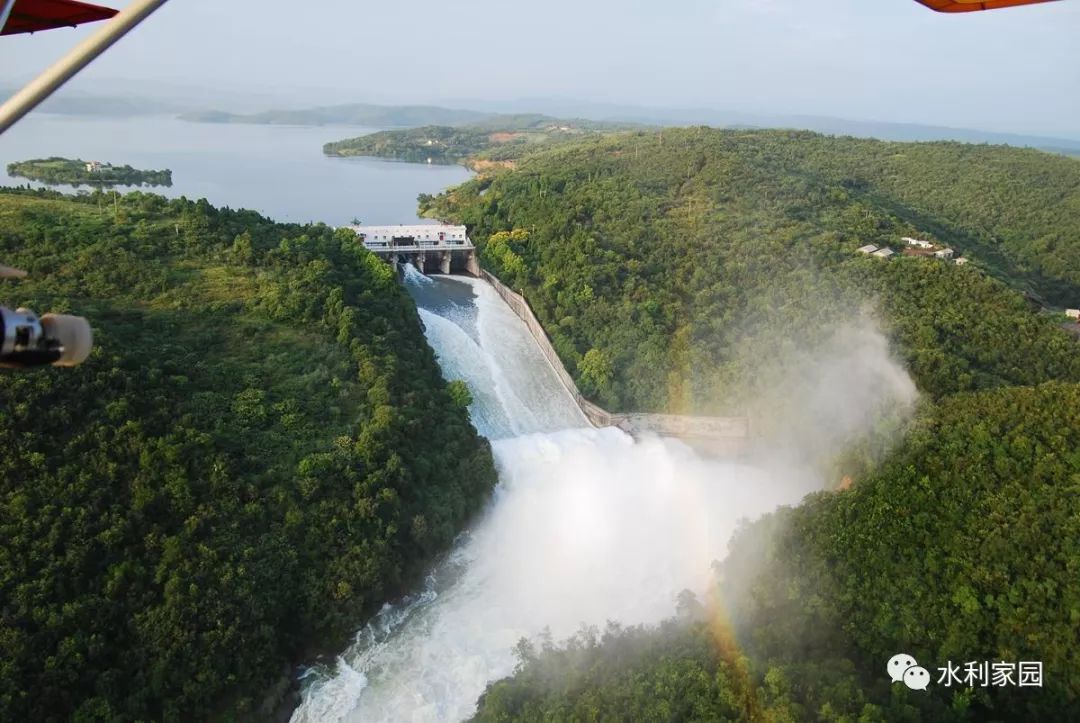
column 57, row 171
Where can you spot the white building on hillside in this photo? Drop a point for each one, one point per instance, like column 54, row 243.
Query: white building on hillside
column 867, row 249
column 917, row 242
column 1073, row 314
column 944, row 254
column 884, row 253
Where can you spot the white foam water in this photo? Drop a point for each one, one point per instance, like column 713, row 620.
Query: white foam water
column 514, row 388
column 586, row 526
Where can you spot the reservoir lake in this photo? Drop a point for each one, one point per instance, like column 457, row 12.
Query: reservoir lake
column 279, row 171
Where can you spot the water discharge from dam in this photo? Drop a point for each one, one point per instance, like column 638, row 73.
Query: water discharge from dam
column 585, row 526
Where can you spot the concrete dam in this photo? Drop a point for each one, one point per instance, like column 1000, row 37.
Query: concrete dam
column 447, row 249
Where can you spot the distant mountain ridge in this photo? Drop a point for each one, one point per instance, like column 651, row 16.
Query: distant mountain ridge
column 884, row 130
column 361, row 114
column 101, row 105
column 477, row 112
column 413, row 116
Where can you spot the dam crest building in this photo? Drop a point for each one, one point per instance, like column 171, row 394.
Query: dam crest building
column 431, row 248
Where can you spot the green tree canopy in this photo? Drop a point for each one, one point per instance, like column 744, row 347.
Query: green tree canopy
column 220, row 490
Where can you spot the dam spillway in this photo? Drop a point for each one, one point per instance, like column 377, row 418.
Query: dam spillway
column 445, row 249
column 515, row 391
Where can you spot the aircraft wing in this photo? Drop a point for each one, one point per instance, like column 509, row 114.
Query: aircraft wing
column 967, row 6
column 30, row 16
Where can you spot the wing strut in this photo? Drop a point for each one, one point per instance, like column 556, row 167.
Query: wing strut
column 78, row 58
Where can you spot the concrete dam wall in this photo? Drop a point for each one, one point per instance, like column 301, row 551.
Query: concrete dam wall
column 725, row 436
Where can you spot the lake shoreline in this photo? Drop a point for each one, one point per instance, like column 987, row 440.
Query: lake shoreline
column 278, row 171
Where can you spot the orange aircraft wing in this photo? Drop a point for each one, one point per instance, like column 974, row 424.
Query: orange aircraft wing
column 30, row 16
column 967, row 6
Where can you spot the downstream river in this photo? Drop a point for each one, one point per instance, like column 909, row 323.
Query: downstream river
column 279, row 171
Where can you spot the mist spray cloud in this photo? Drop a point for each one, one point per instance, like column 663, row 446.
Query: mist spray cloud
column 817, row 403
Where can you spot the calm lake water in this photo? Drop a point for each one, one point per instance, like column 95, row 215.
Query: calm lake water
column 279, row 171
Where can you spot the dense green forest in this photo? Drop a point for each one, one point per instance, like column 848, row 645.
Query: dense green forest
column 963, row 547
column 58, row 171
column 684, row 271
column 442, row 144
column 503, row 137
column 680, row 262
column 224, row 483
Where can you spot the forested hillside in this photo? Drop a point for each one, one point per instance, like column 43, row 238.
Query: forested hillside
column 442, row 144
column 669, row 267
column 685, row 271
column 224, row 483
column 964, row 547
column 500, row 137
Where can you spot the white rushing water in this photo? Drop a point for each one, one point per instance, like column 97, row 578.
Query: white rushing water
column 515, row 390
column 585, row 526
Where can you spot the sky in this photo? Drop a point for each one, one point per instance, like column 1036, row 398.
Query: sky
column 1014, row 70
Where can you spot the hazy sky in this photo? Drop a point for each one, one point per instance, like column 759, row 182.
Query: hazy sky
column 1010, row 70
